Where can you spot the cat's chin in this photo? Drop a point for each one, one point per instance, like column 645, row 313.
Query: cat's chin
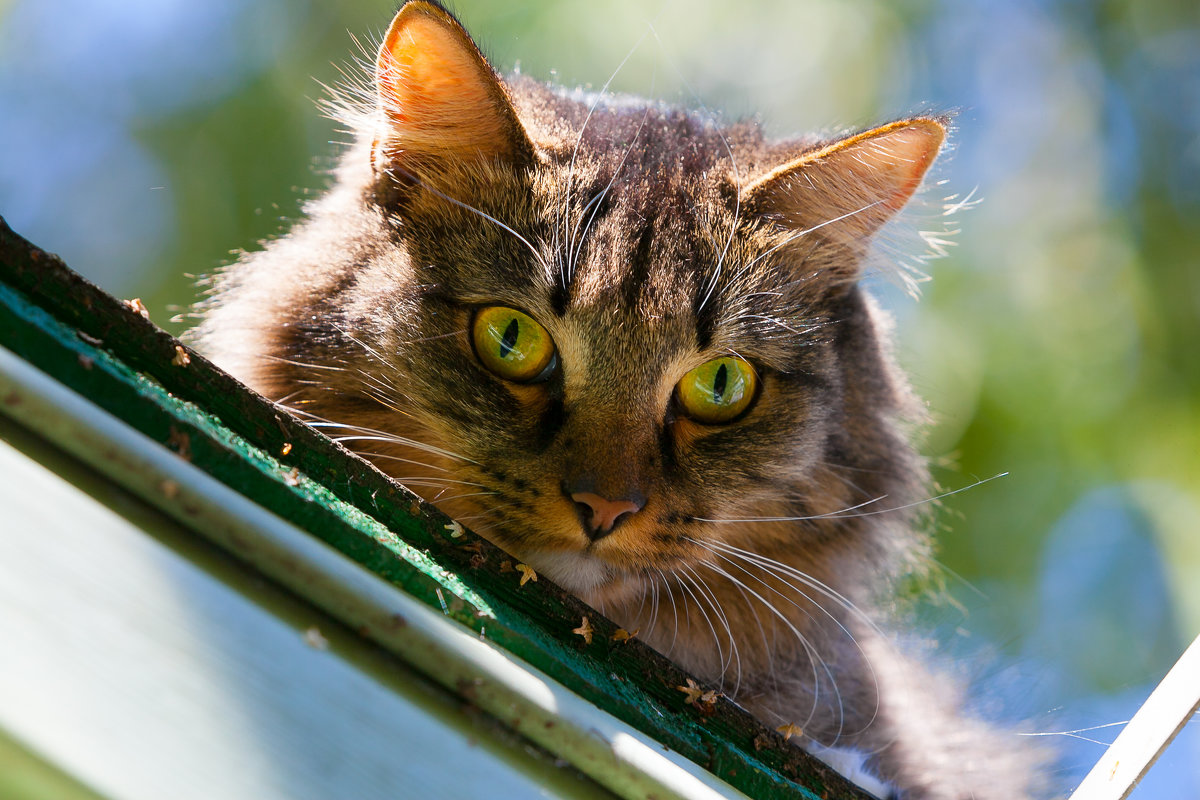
column 591, row 578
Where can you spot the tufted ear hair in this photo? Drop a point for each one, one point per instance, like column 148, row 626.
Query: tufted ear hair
column 848, row 188
column 443, row 107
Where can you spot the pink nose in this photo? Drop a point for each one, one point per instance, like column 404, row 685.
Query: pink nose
column 605, row 513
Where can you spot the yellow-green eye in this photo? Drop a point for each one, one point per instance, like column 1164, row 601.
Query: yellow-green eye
column 512, row 345
column 717, row 390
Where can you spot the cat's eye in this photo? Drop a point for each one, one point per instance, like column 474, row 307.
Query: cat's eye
column 512, row 344
column 717, row 391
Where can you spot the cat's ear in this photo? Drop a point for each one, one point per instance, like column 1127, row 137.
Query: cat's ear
column 849, row 188
column 442, row 103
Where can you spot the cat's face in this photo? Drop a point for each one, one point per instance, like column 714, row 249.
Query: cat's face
column 678, row 365
column 599, row 333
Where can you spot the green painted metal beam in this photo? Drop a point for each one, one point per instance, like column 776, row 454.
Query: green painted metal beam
column 257, row 458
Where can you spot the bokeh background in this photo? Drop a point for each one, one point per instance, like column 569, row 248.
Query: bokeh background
column 146, row 140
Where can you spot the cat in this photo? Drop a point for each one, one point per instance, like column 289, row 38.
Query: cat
column 629, row 346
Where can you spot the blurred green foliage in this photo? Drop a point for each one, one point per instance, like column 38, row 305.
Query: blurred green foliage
column 146, row 141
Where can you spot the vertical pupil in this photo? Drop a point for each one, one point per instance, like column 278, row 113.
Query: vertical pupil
column 510, row 337
column 719, row 382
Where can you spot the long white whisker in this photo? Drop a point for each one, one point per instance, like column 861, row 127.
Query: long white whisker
column 768, row 647
column 785, row 326
column 369, row 350
column 843, row 515
column 317, row 421
column 436, row 337
column 384, row 438
column 814, row 656
column 674, row 611
column 387, row 457
column 647, row 593
column 494, row 509
column 467, row 207
column 1077, row 734
column 565, row 277
column 829, row 515
column 783, row 571
column 381, row 397
column 684, row 581
column 737, row 213
column 654, row 602
column 793, row 237
column 441, row 499
column 713, row 602
column 736, row 176
column 305, row 365
column 574, row 250
column 413, row 461
column 377, row 382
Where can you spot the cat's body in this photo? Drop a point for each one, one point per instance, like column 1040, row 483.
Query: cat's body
column 750, row 528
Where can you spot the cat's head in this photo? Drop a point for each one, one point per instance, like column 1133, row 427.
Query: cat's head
column 605, row 328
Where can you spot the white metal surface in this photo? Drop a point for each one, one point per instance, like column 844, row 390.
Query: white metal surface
column 144, row 676
column 1170, row 706
column 152, row 606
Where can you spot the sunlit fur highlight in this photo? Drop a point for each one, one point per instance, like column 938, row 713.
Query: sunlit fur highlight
column 646, row 240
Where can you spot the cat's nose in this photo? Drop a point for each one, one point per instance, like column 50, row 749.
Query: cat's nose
column 602, row 515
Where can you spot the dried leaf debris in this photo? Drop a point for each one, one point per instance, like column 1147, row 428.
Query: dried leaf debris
column 527, row 573
column 584, row 630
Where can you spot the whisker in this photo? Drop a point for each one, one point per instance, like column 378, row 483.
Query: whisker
column 684, row 580
column 654, row 601
column 782, row 571
column 469, row 494
column 843, row 515
column 737, row 213
column 371, row 351
column 413, row 461
column 829, row 515
column 574, row 251
column 374, row 434
column 388, row 457
column 380, row 383
column 565, row 277
column 733, row 163
column 1077, row 734
column 435, row 338
column 379, row 436
column 385, row 401
column 714, row 603
column 303, row 364
column 798, row 234
column 417, row 480
column 385, row 438
column 674, row 611
column 492, row 509
column 646, row 594
column 467, row 207
column 785, row 326
column 814, row 656
column 768, row 647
